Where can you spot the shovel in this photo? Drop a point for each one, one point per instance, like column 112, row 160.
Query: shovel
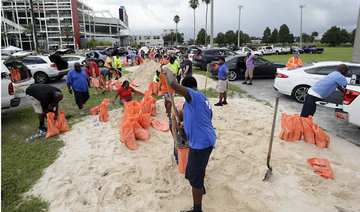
column 207, row 71
column 268, row 173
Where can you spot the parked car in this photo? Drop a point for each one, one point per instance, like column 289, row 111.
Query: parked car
column 296, row 82
column 65, row 51
column 313, row 49
column 294, row 49
column 74, row 59
column 265, row 50
column 237, row 67
column 44, row 68
column 280, row 49
column 12, row 91
column 98, row 56
column 245, row 50
column 204, row 57
column 192, row 53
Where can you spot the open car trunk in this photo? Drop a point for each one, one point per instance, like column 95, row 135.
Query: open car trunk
column 61, row 64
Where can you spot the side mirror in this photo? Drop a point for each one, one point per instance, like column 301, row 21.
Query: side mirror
column 355, row 79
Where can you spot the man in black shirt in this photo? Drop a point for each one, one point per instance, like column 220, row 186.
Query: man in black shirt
column 44, row 99
column 187, row 67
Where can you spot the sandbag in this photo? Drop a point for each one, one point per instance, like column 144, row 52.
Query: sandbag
column 62, row 124
column 161, row 125
column 321, row 167
column 183, row 155
column 109, row 86
column 308, row 131
column 95, row 110
column 134, row 83
column 127, row 135
column 52, row 130
column 103, row 115
column 321, row 139
column 291, row 128
column 141, row 61
column 144, row 120
column 95, row 83
column 118, row 85
column 154, row 87
column 15, row 75
column 133, row 108
column 149, row 103
column 141, row 133
column 102, row 82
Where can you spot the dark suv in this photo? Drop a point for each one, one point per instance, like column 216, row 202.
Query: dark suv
column 204, row 57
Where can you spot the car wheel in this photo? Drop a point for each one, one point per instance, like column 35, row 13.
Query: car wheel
column 100, row 63
column 311, row 52
column 277, row 52
column 232, row 75
column 300, row 92
column 41, row 77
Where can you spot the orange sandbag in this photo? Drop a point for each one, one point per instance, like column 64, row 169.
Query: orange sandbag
column 183, row 155
column 103, row 115
column 101, row 82
column 321, row 139
column 149, row 103
column 144, row 120
column 291, row 128
column 154, row 87
column 321, row 167
column 118, row 85
column 95, row 110
column 95, row 83
column 308, row 131
column 141, row 60
column 125, row 63
column 15, row 75
column 134, row 83
column 62, row 124
column 109, row 86
column 127, row 133
column 161, row 125
column 113, row 82
column 52, row 130
column 141, row 133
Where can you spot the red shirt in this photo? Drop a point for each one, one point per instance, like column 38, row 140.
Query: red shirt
column 125, row 93
column 94, row 65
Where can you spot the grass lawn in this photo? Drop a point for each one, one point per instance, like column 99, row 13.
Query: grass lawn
column 329, row 54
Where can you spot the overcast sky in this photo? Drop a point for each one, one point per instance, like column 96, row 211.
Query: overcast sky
column 153, row 16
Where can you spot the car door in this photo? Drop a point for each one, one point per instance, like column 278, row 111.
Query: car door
column 240, row 66
column 260, row 67
column 31, row 63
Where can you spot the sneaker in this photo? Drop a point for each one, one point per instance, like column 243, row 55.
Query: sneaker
column 190, row 211
column 103, row 92
column 249, row 83
column 95, row 93
column 224, row 103
column 219, row 104
column 244, row 83
column 81, row 112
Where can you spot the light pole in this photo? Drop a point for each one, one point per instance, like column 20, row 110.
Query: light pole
column 240, row 6
column 356, row 49
column 212, row 24
column 301, row 8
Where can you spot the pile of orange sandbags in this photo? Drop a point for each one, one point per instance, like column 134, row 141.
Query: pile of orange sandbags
column 102, row 109
column 294, row 127
column 55, row 127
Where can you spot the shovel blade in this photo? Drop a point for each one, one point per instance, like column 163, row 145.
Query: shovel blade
column 267, row 175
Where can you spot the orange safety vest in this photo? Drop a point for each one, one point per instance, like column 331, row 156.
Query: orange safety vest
column 108, row 62
column 294, row 62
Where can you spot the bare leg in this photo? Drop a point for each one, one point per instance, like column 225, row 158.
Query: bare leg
column 225, row 95
column 250, row 80
column 197, row 196
column 168, row 107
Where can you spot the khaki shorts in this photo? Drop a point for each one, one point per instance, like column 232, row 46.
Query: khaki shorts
column 223, row 86
column 249, row 72
column 36, row 104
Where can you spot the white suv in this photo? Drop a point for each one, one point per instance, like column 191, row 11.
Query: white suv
column 44, row 67
column 265, row 50
column 11, row 92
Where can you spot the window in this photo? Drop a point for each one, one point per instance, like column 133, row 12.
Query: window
column 326, row 70
column 230, row 53
column 211, row 52
column 355, row 70
column 30, row 60
column 260, row 61
column 220, row 52
column 310, row 70
column 40, row 61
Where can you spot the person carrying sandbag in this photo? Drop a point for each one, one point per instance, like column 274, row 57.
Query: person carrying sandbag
column 199, row 130
column 125, row 93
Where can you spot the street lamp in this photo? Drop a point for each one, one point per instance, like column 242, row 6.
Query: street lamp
column 301, row 6
column 240, row 6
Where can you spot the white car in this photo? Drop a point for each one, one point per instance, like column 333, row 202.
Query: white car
column 244, row 50
column 74, row 59
column 296, row 82
column 280, row 49
column 265, row 50
column 11, row 92
column 44, row 67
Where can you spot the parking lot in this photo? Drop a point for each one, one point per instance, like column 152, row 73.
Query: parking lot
column 324, row 117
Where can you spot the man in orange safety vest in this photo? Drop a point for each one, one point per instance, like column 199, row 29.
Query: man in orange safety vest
column 294, row 62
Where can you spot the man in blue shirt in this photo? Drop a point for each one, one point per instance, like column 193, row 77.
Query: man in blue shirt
column 324, row 88
column 78, row 80
column 223, row 73
column 200, row 132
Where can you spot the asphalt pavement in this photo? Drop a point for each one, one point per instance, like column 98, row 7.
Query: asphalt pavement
column 324, row 117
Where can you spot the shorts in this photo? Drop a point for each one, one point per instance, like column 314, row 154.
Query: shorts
column 125, row 100
column 167, row 96
column 105, row 72
column 81, row 97
column 196, row 166
column 249, row 72
column 36, row 104
column 223, row 86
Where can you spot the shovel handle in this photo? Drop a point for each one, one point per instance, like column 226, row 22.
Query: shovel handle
column 207, row 72
column 272, row 132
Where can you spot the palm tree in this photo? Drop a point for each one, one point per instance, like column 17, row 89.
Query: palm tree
column 207, row 2
column 29, row 30
column 176, row 19
column 194, row 4
column 67, row 32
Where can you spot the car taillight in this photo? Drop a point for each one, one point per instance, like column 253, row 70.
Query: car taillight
column 198, row 57
column 350, row 96
column 11, row 88
column 281, row 75
column 53, row 65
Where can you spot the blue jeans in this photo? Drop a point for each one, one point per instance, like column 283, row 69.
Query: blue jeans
column 126, row 100
column 309, row 106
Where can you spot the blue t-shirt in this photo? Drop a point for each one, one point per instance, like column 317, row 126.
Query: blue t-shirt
column 78, row 81
column 328, row 84
column 222, row 72
column 197, row 121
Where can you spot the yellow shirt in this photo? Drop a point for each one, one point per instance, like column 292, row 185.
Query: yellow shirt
column 117, row 62
column 174, row 67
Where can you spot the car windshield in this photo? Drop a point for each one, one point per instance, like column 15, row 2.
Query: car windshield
column 230, row 58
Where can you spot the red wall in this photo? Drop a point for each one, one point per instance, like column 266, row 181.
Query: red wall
column 75, row 18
